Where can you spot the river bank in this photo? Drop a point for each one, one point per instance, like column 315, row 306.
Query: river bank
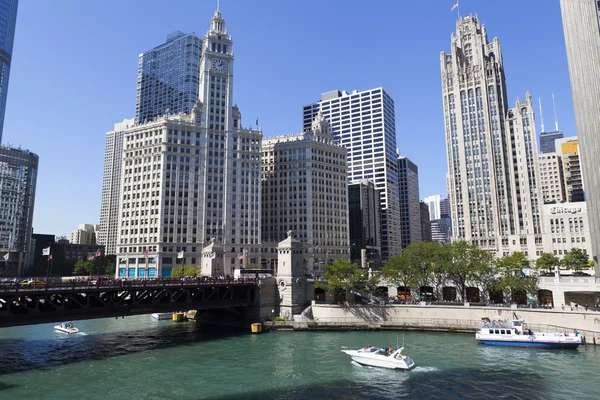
column 436, row 318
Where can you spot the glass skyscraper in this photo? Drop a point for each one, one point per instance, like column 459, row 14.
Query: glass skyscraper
column 168, row 77
column 8, row 20
column 18, row 177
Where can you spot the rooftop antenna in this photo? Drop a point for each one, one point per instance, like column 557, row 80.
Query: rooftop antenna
column 541, row 113
column 218, row 5
column 555, row 114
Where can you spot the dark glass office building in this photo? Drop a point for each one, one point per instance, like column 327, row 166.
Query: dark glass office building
column 547, row 141
column 365, row 223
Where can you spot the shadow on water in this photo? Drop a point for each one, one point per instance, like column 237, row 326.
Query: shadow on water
column 424, row 384
column 7, row 386
column 19, row 355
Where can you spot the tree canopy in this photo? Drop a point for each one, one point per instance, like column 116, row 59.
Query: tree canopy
column 575, row 259
column 546, row 263
column 179, row 271
column 513, row 274
column 342, row 276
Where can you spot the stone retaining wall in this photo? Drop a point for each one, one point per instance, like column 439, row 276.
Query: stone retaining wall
column 455, row 318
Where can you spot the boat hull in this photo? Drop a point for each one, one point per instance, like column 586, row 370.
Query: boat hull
column 539, row 345
column 162, row 316
column 373, row 360
column 66, row 331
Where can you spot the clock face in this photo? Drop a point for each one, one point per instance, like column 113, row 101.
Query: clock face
column 219, row 65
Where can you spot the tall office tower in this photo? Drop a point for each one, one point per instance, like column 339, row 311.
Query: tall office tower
column 190, row 178
column 494, row 196
column 425, row 222
column 568, row 149
column 582, row 39
column 364, row 123
column 365, row 220
column 8, row 20
column 547, row 141
column 526, row 197
column 445, row 209
column 111, row 187
column 433, row 203
column 168, row 77
column 304, row 189
column 409, row 203
column 84, row 234
column 552, row 181
column 18, row 177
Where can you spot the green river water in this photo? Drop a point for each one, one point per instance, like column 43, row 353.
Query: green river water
column 138, row 358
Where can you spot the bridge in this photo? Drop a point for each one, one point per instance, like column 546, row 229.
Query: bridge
column 53, row 302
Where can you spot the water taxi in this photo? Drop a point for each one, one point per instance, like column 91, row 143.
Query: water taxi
column 513, row 333
column 383, row 358
column 66, row 327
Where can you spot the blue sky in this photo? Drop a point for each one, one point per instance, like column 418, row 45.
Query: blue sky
column 74, row 73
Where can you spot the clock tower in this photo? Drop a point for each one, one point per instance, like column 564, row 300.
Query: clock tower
column 230, row 177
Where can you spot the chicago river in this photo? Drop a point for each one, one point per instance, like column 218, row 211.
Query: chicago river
column 138, row 358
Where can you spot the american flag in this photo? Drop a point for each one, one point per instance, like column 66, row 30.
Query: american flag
column 91, row 257
column 98, row 253
column 145, row 253
column 240, row 256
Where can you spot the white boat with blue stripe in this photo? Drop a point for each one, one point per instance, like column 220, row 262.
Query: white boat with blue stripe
column 514, row 334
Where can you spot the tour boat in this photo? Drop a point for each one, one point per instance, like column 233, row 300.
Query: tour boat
column 504, row 333
column 66, row 327
column 383, row 358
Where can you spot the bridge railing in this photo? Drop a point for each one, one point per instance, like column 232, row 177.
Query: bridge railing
column 51, row 285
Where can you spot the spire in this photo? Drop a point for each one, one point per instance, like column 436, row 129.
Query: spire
column 555, row 114
column 217, row 23
column 541, row 114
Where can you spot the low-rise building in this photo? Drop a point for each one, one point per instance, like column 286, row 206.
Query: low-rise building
column 565, row 226
column 85, row 234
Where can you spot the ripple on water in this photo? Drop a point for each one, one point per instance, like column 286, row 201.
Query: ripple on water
column 135, row 358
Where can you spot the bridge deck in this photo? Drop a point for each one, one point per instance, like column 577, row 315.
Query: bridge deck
column 57, row 301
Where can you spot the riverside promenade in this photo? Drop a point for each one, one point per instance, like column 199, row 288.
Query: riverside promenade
column 450, row 318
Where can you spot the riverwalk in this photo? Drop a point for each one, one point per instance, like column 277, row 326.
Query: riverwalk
column 438, row 318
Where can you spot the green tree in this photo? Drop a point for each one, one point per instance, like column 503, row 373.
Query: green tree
column 342, row 276
column 400, row 272
column 512, row 276
column 576, row 260
column 423, row 256
column 180, row 271
column 84, row 267
column 108, row 264
column 466, row 264
column 191, row 270
column 546, row 263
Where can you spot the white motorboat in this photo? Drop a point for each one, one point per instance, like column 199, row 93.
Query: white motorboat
column 162, row 316
column 383, row 358
column 513, row 333
column 66, row 327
